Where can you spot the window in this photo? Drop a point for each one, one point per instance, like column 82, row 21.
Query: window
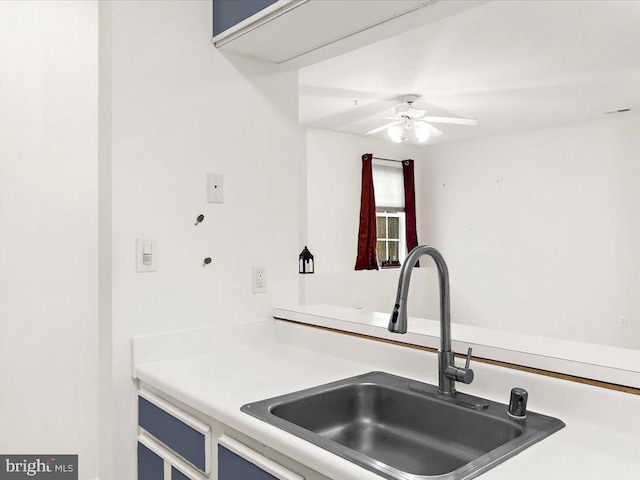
column 390, row 218
column 391, row 247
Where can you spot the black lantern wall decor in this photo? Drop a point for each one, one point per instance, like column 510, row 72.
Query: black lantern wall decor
column 305, row 261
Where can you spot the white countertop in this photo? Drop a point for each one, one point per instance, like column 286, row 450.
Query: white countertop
column 599, row 441
column 620, row 366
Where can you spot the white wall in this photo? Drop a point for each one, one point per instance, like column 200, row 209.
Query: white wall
column 105, row 260
column 541, row 229
column 48, row 213
column 334, row 176
column 180, row 109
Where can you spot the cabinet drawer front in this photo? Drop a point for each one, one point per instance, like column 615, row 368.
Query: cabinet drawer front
column 234, row 467
column 183, row 439
column 150, row 465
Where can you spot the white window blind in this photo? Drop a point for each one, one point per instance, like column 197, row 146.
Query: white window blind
column 388, row 184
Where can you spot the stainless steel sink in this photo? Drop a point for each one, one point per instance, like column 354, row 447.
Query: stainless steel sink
column 402, row 429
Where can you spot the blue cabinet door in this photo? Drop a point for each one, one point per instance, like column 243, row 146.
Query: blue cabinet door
column 234, row 467
column 150, row 465
column 178, row 475
column 227, row 13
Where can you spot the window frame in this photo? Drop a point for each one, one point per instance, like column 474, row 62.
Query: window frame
column 392, row 212
column 402, row 235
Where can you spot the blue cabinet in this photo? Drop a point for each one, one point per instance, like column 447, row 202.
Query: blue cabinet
column 178, row 475
column 172, row 445
column 227, row 13
column 234, row 467
column 187, row 442
column 150, row 465
column 236, row 461
column 155, row 462
column 182, row 434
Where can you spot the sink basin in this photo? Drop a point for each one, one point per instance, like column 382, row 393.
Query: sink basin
column 403, row 429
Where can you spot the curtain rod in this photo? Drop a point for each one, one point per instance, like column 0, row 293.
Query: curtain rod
column 387, row 159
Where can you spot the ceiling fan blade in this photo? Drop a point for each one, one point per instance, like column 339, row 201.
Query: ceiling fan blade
column 379, row 129
column 387, row 118
column 453, row 120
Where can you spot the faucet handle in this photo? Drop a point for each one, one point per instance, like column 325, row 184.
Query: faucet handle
column 468, row 362
column 464, row 375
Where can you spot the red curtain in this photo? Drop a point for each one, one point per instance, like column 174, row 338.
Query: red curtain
column 367, row 234
column 410, row 205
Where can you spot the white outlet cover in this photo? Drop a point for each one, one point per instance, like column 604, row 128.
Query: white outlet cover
column 215, row 188
column 259, row 280
column 142, row 245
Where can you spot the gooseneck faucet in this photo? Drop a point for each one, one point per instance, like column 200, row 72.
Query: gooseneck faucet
column 448, row 373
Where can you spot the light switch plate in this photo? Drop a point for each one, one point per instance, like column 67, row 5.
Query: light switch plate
column 215, row 188
column 146, row 246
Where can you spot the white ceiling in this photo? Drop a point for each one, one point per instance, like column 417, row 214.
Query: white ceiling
column 512, row 65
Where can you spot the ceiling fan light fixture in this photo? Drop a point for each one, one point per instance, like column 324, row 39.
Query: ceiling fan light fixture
column 422, row 131
column 396, row 133
column 409, row 131
column 411, row 124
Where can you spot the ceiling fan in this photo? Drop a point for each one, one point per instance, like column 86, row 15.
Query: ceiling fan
column 411, row 123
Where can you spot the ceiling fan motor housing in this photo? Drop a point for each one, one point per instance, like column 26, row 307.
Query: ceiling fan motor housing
column 407, row 110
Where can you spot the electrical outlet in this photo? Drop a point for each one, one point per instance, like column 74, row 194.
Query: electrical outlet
column 623, row 322
column 259, row 280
